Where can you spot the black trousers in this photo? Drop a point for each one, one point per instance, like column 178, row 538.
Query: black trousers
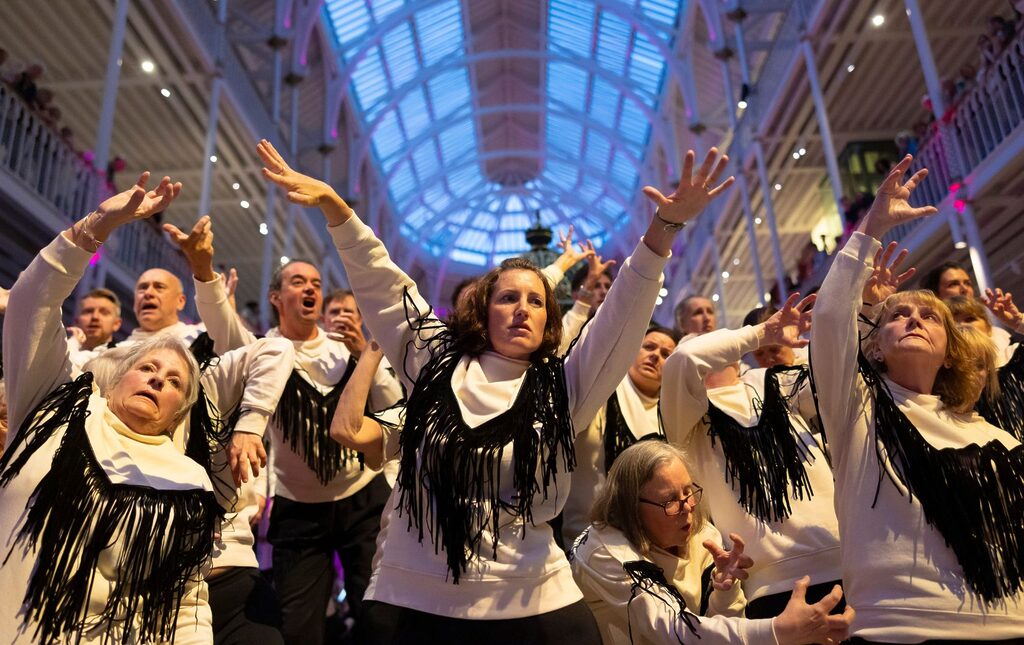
column 774, row 604
column 245, row 608
column 386, row 624
column 305, row 538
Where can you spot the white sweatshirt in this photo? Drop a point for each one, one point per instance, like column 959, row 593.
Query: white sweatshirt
column 807, row 542
column 530, row 576
column 36, row 361
column 641, row 415
column 898, row 573
column 607, row 588
column 321, row 362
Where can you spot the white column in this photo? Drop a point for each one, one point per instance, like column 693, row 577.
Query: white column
column 105, row 128
column 824, row 128
column 979, row 259
column 271, row 205
column 769, row 213
column 210, row 147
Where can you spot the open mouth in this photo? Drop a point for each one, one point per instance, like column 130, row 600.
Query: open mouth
column 147, row 395
column 148, row 306
column 309, row 303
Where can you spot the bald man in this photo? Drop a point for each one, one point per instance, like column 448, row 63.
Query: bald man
column 159, row 299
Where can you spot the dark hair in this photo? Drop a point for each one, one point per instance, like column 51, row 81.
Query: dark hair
column 931, row 280
column 671, row 333
column 465, row 282
column 580, row 277
column 468, row 321
column 759, row 315
column 337, row 294
column 275, row 283
column 106, row 294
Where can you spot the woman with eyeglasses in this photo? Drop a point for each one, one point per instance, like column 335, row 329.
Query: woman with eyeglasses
column 929, row 495
column 652, row 568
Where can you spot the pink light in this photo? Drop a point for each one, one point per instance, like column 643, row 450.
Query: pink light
column 959, row 205
column 334, row 132
column 95, row 259
column 303, row 59
column 287, row 22
column 954, row 187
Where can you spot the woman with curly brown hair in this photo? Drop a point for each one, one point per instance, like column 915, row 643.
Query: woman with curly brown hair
column 929, row 497
column 487, row 443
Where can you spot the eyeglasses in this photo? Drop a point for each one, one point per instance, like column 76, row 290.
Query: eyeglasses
column 675, row 506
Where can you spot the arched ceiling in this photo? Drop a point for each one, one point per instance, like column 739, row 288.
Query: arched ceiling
column 476, row 115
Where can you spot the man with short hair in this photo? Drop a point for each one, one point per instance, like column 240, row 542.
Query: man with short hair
column 99, row 316
column 341, row 316
column 325, row 501
column 695, row 315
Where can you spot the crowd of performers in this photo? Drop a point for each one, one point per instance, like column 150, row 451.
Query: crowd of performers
column 507, row 473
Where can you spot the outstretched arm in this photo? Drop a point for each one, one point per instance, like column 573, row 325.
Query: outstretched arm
column 609, row 344
column 350, row 427
column 382, row 289
column 34, row 341
column 835, row 341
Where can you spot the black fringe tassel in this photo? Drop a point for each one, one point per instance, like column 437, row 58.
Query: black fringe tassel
column 766, row 460
column 304, row 416
column 164, row 537
column 973, row 496
column 1007, row 412
column 649, row 578
column 209, row 433
column 450, row 473
column 618, row 436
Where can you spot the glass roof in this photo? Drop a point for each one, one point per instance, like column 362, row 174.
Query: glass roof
column 412, row 88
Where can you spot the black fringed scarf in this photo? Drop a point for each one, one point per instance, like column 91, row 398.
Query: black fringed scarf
column 450, row 474
column 304, row 416
column 973, row 496
column 209, row 432
column 76, row 514
column 617, row 434
column 1007, row 412
column 767, row 460
column 649, row 578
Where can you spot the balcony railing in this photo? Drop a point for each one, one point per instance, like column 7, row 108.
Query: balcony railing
column 34, row 154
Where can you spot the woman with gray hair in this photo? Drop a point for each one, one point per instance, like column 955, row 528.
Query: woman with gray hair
column 108, row 527
column 652, row 568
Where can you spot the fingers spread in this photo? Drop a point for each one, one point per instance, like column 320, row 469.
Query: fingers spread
column 655, row 196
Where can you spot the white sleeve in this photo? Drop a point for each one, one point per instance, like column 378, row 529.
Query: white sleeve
column 654, row 620
column 609, row 344
column 380, row 288
column 835, row 342
column 35, row 343
column 386, row 389
column 684, row 398
column 572, row 325
column 223, row 323
column 253, row 378
column 553, row 275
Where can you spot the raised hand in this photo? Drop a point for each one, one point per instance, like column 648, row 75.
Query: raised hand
column 787, row 325
column 127, row 206
column 197, row 246
column 570, row 256
column 1003, row 308
column 246, row 452
column 802, row 623
column 730, row 566
column 595, row 266
column 230, row 280
column 695, row 191
column 302, row 189
column 884, row 280
column 891, row 206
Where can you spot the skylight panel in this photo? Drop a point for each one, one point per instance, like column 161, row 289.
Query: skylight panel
column 570, row 134
column 469, row 257
column 403, row 183
column 400, row 54
column 598, row 149
column 444, row 100
column 388, row 138
column 457, row 140
column 439, row 28
column 662, row 12
column 633, row 125
column 384, row 8
column 646, row 65
column 624, row 173
column 484, row 221
column 415, row 116
column 425, row 160
column 571, row 25
column 613, row 43
column 370, row 82
column 510, row 243
column 350, row 20
column 568, row 84
column 604, row 102
column 516, row 222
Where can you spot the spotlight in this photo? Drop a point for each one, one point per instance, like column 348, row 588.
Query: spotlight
column 243, row 204
column 263, row 228
column 851, row 67
column 735, row 262
column 778, row 186
column 802, row 151
column 213, row 158
column 725, row 275
column 285, row 259
column 878, row 20
column 714, row 297
column 166, row 93
column 148, row 66
column 757, row 220
column 236, row 185
column 742, row 104
column 796, row 155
